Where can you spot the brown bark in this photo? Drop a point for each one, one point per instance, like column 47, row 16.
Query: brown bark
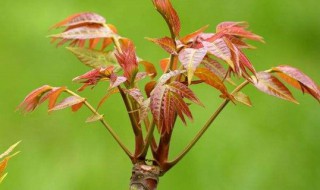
column 144, row 177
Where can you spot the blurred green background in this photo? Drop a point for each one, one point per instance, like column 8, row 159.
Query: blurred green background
column 274, row 145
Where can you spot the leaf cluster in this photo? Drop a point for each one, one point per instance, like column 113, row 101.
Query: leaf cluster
column 199, row 58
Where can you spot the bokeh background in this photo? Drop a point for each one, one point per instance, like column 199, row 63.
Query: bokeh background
column 273, row 145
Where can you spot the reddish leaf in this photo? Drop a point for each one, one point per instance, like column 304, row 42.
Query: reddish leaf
column 181, row 108
column 239, row 61
column 169, row 14
column 76, row 107
column 127, row 59
column 165, row 77
column 149, row 68
column 166, row 43
column 220, row 49
column 272, row 86
column 183, row 91
column 237, row 29
column 212, row 79
column 144, row 109
column 190, row 59
column 6, row 155
column 156, row 103
column 116, row 81
column 53, row 96
column 192, row 36
column 136, row 94
column 80, row 18
column 140, row 76
column 242, row 98
column 164, row 63
column 215, row 67
column 149, row 87
column 3, row 165
column 68, row 102
column 90, row 78
column 238, row 42
column 33, row 99
column 83, row 33
column 168, row 113
column 298, row 79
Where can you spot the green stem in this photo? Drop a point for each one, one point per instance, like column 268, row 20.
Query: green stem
column 106, row 125
column 204, row 129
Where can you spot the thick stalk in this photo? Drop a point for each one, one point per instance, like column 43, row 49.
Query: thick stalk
column 144, row 177
column 169, row 165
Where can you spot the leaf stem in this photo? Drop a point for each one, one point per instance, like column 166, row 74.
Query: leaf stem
column 169, row 165
column 106, row 125
column 148, row 139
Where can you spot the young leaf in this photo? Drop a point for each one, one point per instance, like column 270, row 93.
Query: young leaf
column 165, row 77
column 127, row 59
column 168, row 113
column 68, row 102
column 33, row 99
column 237, row 29
column 183, row 91
column 94, row 58
column 53, row 95
column 167, row 11
column 92, row 77
column 215, row 67
column 191, row 37
column 116, row 81
column 298, row 79
column 6, row 155
column 269, row 84
column 165, row 43
column 211, row 79
column 149, row 87
column 94, row 118
column 156, row 103
column 9, row 150
column 3, row 165
column 79, row 19
column 220, row 49
column 164, row 64
column 2, row 177
column 76, row 107
column 242, row 98
column 136, row 94
column 149, row 68
column 84, row 33
column 190, row 59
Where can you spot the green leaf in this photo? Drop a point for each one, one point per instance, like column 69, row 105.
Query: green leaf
column 94, row 58
column 93, row 118
column 242, row 98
